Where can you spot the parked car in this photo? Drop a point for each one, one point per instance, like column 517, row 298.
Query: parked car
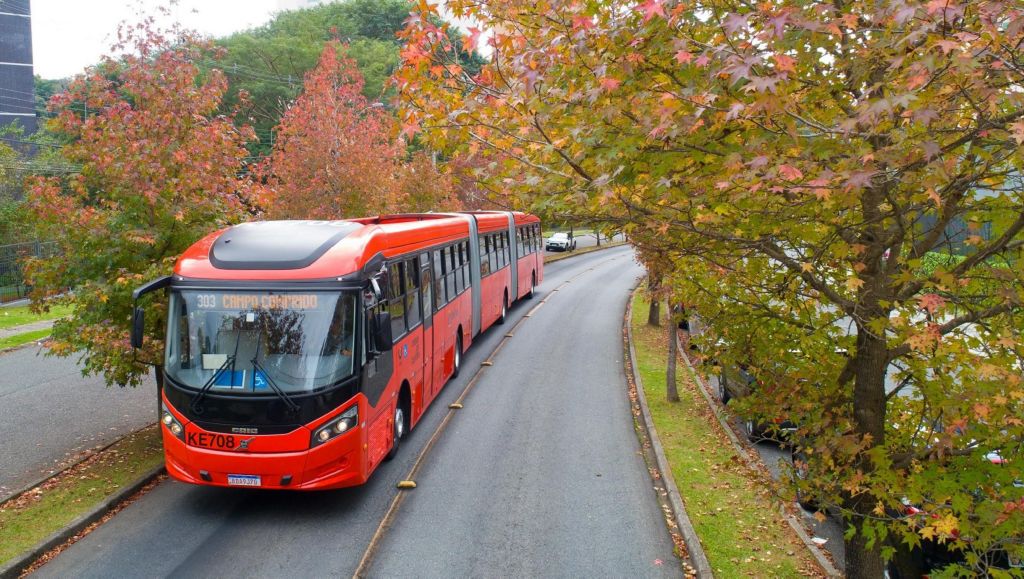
column 736, row 382
column 561, row 242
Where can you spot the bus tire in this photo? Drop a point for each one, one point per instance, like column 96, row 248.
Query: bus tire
column 398, row 430
column 504, row 309
column 533, row 285
column 457, row 363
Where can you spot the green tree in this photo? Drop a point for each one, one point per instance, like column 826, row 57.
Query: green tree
column 268, row 64
column 46, row 88
column 797, row 161
column 157, row 170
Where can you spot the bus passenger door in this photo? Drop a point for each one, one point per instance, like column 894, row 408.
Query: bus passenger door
column 427, row 295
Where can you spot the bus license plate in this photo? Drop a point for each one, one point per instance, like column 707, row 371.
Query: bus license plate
column 244, row 480
column 212, row 440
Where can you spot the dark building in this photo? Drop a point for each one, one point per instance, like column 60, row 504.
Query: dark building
column 17, row 88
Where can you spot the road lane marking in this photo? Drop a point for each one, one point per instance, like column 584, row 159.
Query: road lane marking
column 391, row 513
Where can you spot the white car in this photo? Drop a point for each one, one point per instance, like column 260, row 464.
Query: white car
column 560, row 242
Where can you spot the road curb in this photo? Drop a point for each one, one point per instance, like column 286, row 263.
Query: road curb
column 698, row 558
column 824, row 562
column 37, row 342
column 13, row 568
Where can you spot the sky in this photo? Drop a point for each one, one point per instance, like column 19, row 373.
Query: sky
column 69, row 35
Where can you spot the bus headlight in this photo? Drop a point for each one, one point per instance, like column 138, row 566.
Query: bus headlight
column 336, row 426
column 171, row 422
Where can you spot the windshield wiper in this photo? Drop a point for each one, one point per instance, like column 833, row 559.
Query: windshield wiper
column 209, row 383
column 257, row 367
column 230, row 360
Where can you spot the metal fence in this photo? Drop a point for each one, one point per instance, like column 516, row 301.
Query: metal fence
column 12, row 278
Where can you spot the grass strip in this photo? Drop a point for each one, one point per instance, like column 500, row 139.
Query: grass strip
column 730, row 506
column 20, row 315
column 29, row 518
column 24, row 338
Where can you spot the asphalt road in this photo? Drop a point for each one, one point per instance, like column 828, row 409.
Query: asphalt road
column 539, row 474
column 50, row 413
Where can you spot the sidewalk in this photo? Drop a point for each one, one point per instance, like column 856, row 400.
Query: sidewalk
column 25, row 328
column 15, row 303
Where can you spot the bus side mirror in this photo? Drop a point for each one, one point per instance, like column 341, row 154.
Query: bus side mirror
column 382, row 339
column 138, row 327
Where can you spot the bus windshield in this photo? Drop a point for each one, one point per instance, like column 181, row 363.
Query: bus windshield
column 248, row 342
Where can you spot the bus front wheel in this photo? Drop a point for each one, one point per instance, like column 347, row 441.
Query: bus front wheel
column 457, row 363
column 399, row 430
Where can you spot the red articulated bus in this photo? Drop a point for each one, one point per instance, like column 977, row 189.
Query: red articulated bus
column 299, row 353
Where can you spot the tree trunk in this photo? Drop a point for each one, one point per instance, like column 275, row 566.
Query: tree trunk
column 862, row 562
column 653, row 314
column 670, row 375
column 869, row 417
column 598, row 234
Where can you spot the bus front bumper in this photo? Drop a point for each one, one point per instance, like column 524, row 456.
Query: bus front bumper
column 335, row 464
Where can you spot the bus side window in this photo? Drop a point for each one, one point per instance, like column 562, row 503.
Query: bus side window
column 449, row 269
column 493, row 252
column 502, row 251
column 485, row 266
column 426, row 285
column 460, row 284
column 367, row 339
column 500, row 254
column 464, row 252
column 412, row 294
column 439, row 300
column 463, row 262
column 396, row 299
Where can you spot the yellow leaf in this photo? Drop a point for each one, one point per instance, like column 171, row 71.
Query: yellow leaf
column 854, row 283
column 947, row 525
column 806, row 266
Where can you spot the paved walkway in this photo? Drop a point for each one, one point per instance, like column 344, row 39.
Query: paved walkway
column 15, row 330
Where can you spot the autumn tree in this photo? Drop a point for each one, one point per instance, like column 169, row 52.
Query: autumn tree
column 338, row 154
column 334, row 156
column 839, row 188
column 424, row 186
column 157, row 170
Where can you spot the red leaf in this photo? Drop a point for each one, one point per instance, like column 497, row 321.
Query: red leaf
column 651, row 8
column 790, row 173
